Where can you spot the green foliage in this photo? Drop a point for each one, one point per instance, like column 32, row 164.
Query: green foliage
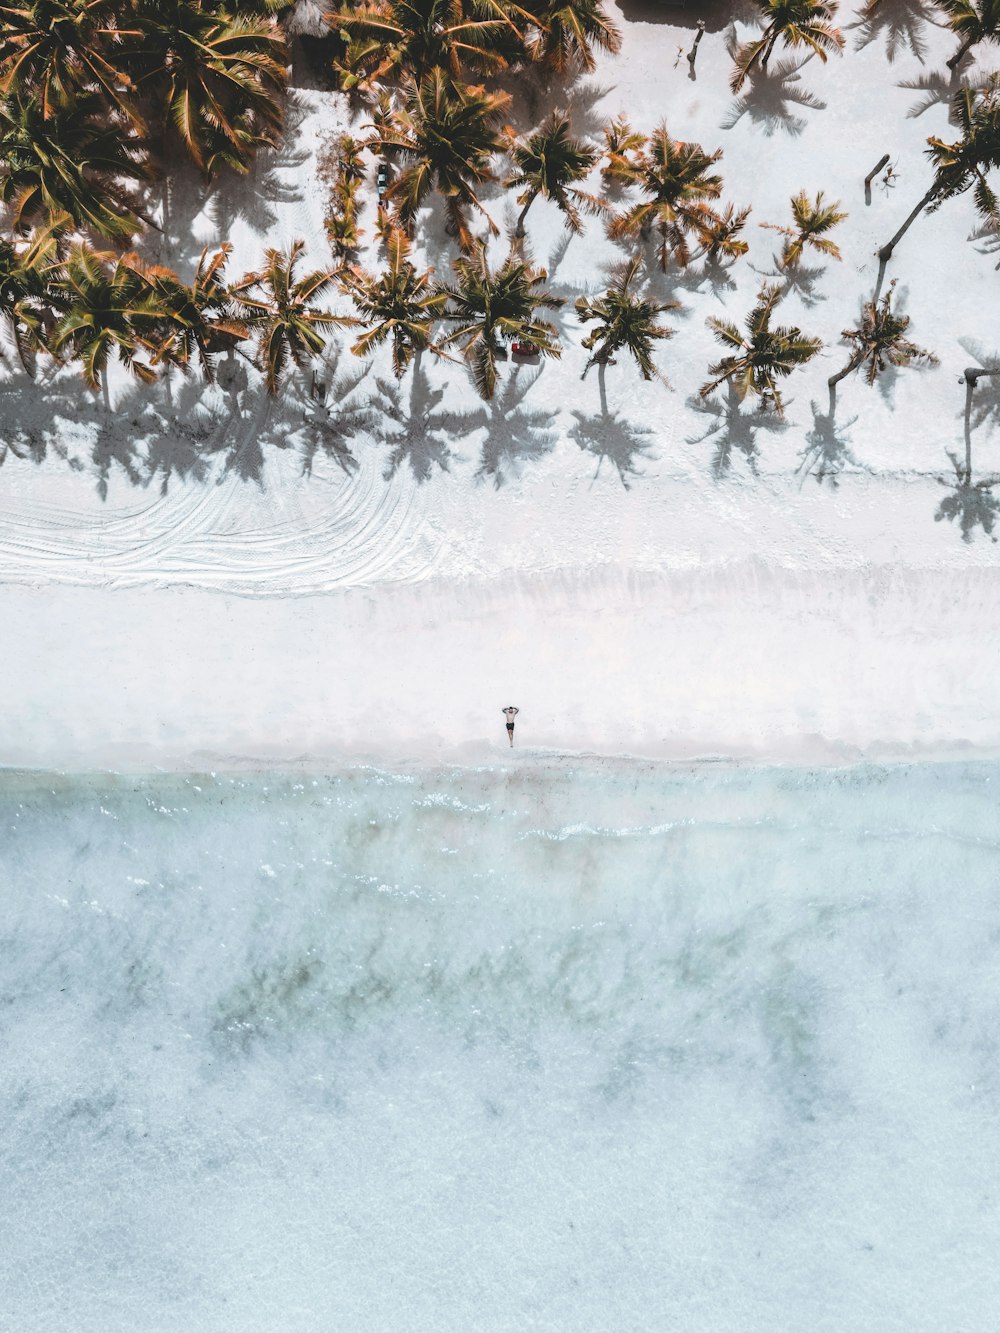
column 879, row 341
column 761, row 356
column 549, row 163
column 797, row 23
column 811, row 222
column 624, row 322
column 489, row 309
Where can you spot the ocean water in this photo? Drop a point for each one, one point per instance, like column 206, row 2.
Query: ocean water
column 569, row 1047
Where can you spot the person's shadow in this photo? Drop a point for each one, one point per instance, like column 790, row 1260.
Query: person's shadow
column 607, row 436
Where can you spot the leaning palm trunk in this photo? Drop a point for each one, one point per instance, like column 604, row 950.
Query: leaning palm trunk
column 885, row 254
column 962, row 51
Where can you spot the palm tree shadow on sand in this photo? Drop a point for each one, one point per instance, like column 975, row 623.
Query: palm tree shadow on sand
column 827, row 450
column 768, row 98
column 899, row 23
column 514, row 436
column 607, row 436
column 417, row 433
column 733, row 430
column 331, row 415
column 972, row 502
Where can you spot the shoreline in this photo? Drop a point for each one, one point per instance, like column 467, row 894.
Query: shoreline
column 746, row 664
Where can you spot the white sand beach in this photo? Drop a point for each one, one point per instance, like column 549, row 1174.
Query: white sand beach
column 199, row 576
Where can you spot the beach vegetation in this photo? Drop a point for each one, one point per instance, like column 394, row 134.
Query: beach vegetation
column 812, row 220
column 551, row 163
column 796, row 23
column 972, row 21
column 880, row 341
column 490, row 309
column 625, row 321
column 761, row 356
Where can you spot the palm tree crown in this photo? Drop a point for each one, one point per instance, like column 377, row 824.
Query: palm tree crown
column 399, row 305
column 624, row 321
column 278, row 309
column 879, row 341
column 416, row 36
column 675, row 178
column 973, row 21
column 216, row 76
column 198, row 321
column 812, row 220
column 762, row 355
column 565, row 33
column 108, row 306
column 70, row 162
column 488, row 308
column 549, row 163
column 965, row 162
column 449, row 137
column 806, row 23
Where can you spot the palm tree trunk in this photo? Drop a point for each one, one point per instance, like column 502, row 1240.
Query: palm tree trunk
column 962, row 51
column 853, row 364
column 772, row 41
column 885, row 254
column 602, row 367
column 519, row 229
column 970, row 389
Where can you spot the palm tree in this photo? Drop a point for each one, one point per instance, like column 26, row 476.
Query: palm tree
column 198, row 321
column 565, row 33
column 812, row 220
column 963, row 164
column 549, row 163
column 878, row 341
column 449, row 137
column 278, row 310
column 798, row 23
column 624, row 321
column 491, row 308
column 72, row 160
column 620, row 141
column 20, row 305
column 55, row 49
column 973, row 21
column 674, row 177
column 107, row 307
column 216, row 78
column 762, row 355
column 400, row 305
column 720, row 236
column 391, row 37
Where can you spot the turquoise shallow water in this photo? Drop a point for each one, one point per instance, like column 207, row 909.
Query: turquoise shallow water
column 573, row 1047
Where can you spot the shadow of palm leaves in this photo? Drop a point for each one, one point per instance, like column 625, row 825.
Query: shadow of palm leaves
column 733, row 430
column 514, row 436
column 971, row 503
column 416, row 432
column 769, row 97
column 900, row 23
column 827, row 451
column 607, row 436
column 800, row 280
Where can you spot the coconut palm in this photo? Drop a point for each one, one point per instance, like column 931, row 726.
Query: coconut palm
column 197, row 321
column 448, row 138
column 879, row 341
column 21, row 306
column 107, row 307
column 489, row 309
column 72, row 160
column 217, row 78
column 279, row 311
column 812, row 220
column 964, row 164
column 624, row 321
column 399, row 306
column 720, row 236
column 797, row 23
column 762, row 356
column 565, row 33
column 391, row 37
column 973, row 21
column 549, row 163
column 54, row 49
column 674, row 177
column 621, row 141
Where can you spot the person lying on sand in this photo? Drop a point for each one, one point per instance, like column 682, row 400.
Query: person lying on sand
column 509, row 713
